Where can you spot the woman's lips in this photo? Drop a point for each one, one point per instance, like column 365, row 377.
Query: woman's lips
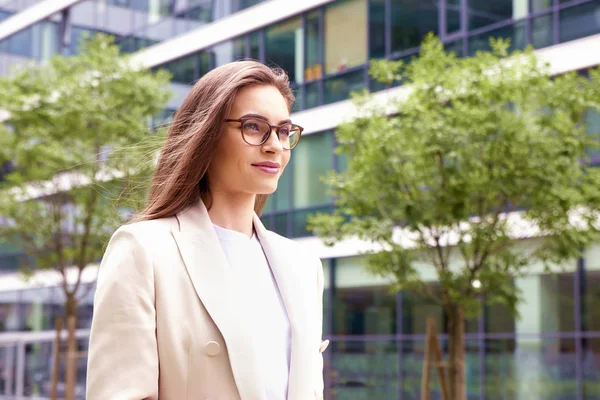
column 268, row 167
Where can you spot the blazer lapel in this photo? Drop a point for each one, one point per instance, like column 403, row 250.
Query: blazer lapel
column 222, row 294
column 289, row 280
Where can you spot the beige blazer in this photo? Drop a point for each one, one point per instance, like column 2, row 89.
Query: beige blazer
column 172, row 321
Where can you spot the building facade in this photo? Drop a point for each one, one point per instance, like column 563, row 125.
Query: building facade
column 551, row 352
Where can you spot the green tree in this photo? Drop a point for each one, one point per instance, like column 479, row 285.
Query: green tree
column 478, row 153
column 72, row 134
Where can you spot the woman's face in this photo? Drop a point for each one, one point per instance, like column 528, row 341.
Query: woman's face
column 240, row 168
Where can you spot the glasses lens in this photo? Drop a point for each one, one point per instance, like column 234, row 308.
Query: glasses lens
column 289, row 135
column 254, row 131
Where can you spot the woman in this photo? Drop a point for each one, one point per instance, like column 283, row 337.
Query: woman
column 197, row 300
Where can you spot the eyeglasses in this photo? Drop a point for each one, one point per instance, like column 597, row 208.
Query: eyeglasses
column 256, row 132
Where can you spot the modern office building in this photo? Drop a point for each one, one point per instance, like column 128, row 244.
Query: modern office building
column 551, row 352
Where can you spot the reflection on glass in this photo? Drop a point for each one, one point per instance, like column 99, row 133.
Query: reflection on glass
column 377, row 29
column 226, row 52
column 485, row 12
column 579, row 21
column 591, row 301
column 312, row 159
column 313, row 68
column 548, row 303
column 452, row 16
column 300, row 220
column 281, row 197
column 345, row 35
column 363, row 303
column 540, row 5
column 311, row 95
column 183, row 70
column 412, row 356
column 284, row 48
column 9, row 312
column 339, row 87
column 411, row 21
column 365, row 369
column 591, row 368
column 530, row 369
column 542, row 34
column 255, row 45
column 516, row 33
column 592, row 121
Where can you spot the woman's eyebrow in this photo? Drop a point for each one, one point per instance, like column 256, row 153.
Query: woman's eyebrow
column 258, row 116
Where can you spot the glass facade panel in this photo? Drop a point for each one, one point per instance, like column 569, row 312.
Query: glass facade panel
column 312, row 159
column 592, row 121
column 311, row 95
column 530, row 368
column 579, row 21
column 226, row 52
column 485, row 12
column 313, row 68
column 412, row 356
column 591, row 368
column 365, row 369
column 452, row 16
column 411, row 21
column 345, row 35
column 543, row 31
column 548, row 304
column 183, row 70
column 282, row 197
column 363, row 303
column 9, row 311
column 377, row 29
column 339, row 87
column 284, row 48
column 591, row 301
column 300, row 220
column 540, row 5
column 255, row 45
column 516, row 33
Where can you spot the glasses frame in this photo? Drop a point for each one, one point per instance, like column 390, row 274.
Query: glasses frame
column 268, row 134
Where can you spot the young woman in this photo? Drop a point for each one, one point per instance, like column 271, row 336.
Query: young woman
column 197, row 300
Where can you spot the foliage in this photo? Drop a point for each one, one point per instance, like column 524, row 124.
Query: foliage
column 475, row 155
column 73, row 134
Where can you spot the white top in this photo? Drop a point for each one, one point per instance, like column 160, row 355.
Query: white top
column 273, row 333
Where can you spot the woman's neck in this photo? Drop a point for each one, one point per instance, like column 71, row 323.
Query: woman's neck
column 232, row 211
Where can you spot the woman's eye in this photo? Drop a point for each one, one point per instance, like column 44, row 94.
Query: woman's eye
column 284, row 131
column 251, row 126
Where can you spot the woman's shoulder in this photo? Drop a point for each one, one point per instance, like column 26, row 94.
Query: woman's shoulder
column 147, row 230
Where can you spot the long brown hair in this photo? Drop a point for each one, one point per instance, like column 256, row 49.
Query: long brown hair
column 180, row 177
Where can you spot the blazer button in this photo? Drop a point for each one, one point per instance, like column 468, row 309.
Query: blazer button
column 212, row 348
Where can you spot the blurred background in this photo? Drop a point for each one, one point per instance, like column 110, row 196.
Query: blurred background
column 377, row 336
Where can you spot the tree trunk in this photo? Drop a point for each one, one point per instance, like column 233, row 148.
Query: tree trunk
column 58, row 325
column 71, row 367
column 456, row 356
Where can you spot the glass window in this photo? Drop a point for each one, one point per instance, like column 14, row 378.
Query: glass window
column 281, row 198
column 485, row 12
column 540, row 5
column 592, row 121
column 515, row 32
column 411, row 21
column 548, row 304
column 452, row 16
column 591, row 301
column 543, row 31
column 416, row 308
column 182, row 69
column 363, row 303
column 377, row 29
column 311, row 95
column 591, row 368
column 365, row 369
column 312, row 159
column 9, row 312
column 284, row 47
column 226, row 52
column 579, row 21
column 530, row 368
column 313, row 69
column 339, row 87
column 255, row 45
column 300, row 220
column 21, row 43
column 345, row 35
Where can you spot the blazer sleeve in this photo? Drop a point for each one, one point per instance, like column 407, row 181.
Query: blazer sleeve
column 123, row 355
column 320, row 288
